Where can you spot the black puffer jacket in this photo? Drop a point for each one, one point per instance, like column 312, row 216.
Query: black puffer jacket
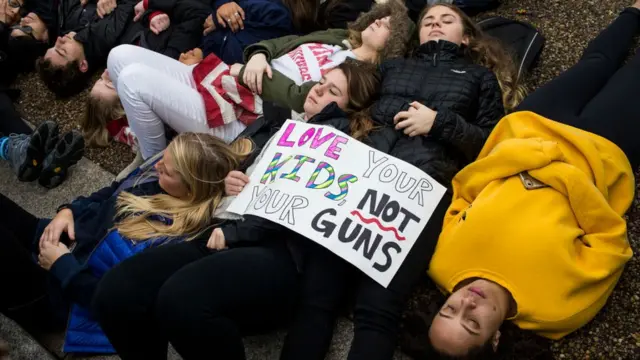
column 466, row 96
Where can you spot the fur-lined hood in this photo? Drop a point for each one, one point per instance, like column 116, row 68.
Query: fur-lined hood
column 401, row 26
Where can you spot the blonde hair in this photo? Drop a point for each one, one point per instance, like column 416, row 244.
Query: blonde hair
column 97, row 114
column 488, row 52
column 202, row 162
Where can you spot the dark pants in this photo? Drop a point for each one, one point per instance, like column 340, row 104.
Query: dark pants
column 203, row 302
column 597, row 95
column 377, row 310
column 24, row 283
column 10, row 120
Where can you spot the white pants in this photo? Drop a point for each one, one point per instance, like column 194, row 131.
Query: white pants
column 155, row 90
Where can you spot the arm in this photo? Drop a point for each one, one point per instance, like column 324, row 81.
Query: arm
column 250, row 230
column 77, row 282
column 187, row 19
column 103, row 34
column 274, row 48
column 97, row 197
column 282, row 90
column 469, row 137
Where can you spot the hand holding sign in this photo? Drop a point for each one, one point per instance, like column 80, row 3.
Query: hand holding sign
column 314, row 180
column 235, row 182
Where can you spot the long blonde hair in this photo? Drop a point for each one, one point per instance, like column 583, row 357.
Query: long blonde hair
column 488, row 52
column 97, row 114
column 202, row 161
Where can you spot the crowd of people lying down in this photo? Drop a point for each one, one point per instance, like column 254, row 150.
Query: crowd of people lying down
column 531, row 229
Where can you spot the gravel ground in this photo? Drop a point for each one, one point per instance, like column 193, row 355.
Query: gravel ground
column 567, row 25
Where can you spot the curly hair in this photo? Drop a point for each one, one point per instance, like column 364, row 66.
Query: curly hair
column 401, row 28
column 488, row 52
column 64, row 81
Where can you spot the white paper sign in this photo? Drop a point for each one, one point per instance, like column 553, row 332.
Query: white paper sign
column 365, row 206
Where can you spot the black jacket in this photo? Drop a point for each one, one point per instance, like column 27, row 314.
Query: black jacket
column 466, row 96
column 184, row 32
column 98, row 36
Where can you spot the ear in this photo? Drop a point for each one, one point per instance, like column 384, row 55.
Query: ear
column 465, row 40
column 496, row 340
column 83, row 66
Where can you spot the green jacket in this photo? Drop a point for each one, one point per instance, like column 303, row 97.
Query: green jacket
column 280, row 89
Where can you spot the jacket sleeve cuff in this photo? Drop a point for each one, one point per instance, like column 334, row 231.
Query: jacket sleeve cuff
column 65, row 268
column 154, row 14
column 230, row 232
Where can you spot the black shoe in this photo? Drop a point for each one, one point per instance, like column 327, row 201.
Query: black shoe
column 26, row 153
column 67, row 151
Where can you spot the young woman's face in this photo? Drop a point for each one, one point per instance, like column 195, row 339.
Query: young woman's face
column 103, row 89
column 169, row 179
column 38, row 29
column 470, row 317
column 333, row 87
column 376, row 35
column 442, row 23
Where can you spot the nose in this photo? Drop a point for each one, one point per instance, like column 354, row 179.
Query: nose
column 468, row 301
column 377, row 22
column 320, row 90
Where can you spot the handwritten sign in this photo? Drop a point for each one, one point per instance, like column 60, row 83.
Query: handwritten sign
column 365, row 206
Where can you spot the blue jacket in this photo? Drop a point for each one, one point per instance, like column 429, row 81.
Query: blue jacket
column 264, row 19
column 97, row 249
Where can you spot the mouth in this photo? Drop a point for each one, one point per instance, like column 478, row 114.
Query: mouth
column 436, row 32
column 312, row 100
column 477, row 291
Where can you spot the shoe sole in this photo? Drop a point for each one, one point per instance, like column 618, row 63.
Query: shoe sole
column 54, row 174
column 31, row 168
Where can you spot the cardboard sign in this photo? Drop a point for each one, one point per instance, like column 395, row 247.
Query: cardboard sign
column 365, row 206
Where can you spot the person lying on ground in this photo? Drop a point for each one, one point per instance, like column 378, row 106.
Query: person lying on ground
column 173, row 200
column 155, row 90
column 86, row 32
column 442, row 122
column 536, row 232
column 234, row 25
column 171, row 28
column 174, row 293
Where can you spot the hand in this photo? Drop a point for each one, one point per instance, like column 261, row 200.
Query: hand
column 159, row 23
column 191, row 57
column 216, row 240
column 418, row 120
column 235, row 182
column 105, row 7
column 138, row 10
column 50, row 253
column 63, row 222
column 208, row 25
column 231, row 14
column 235, row 70
column 253, row 71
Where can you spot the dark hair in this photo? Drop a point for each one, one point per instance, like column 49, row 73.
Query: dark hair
column 23, row 51
column 481, row 352
column 64, row 81
column 304, row 14
column 363, row 87
column 488, row 52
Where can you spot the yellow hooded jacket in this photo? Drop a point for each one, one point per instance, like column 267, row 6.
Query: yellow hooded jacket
column 558, row 249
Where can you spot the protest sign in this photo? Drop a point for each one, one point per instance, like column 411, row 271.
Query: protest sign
column 365, row 206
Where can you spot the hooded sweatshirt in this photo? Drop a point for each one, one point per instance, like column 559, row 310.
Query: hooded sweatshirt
column 540, row 213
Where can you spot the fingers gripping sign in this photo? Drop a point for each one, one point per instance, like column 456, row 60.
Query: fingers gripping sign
column 235, row 182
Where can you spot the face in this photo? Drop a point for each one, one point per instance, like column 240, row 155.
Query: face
column 104, row 89
column 169, row 179
column 32, row 26
column 67, row 50
column 471, row 316
column 332, row 87
column 10, row 11
column 376, row 35
column 191, row 57
column 442, row 23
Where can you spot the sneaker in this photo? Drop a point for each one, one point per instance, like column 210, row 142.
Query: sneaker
column 26, row 153
column 67, row 151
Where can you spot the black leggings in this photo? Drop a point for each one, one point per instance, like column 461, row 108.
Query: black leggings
column 203, row 302
column 597, row 95
column 24, row 283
